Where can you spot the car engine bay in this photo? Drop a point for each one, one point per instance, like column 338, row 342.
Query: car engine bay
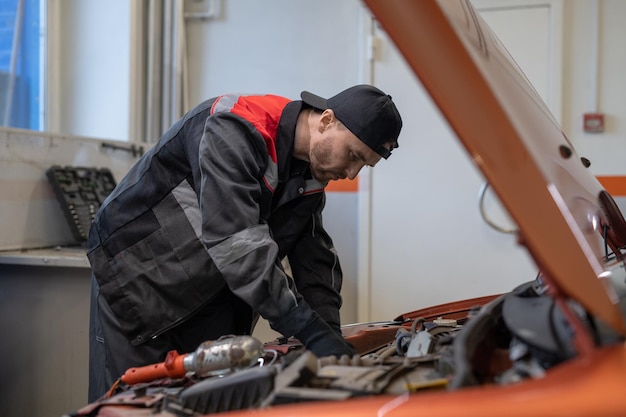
column 498, row 340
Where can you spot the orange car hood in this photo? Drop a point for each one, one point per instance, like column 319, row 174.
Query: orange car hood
column 513, row 139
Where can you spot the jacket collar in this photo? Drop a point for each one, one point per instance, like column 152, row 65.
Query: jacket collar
column 285, row 142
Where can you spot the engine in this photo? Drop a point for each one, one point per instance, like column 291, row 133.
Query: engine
column 501, row 340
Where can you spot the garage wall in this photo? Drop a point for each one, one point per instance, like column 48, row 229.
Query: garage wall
column 88, row 68
column 454, row 254
column 583, row 92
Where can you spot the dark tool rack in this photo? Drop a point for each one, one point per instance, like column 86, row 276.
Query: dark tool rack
column 81, row 191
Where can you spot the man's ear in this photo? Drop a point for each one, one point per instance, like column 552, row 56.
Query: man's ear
column 326, row 120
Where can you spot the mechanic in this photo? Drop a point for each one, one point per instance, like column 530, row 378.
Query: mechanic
column 188, row 246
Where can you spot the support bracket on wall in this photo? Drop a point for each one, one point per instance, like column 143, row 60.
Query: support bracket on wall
column 213, row 10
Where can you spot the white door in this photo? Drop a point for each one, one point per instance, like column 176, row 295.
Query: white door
column 427, row 241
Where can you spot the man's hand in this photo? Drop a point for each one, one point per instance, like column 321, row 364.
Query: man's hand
column 320, row 339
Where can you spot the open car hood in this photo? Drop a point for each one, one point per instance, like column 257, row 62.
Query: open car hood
column 559, row 206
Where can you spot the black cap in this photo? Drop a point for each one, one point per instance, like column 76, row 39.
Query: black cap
column 367, row 112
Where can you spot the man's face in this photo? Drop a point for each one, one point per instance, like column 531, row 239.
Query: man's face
column 336, row 153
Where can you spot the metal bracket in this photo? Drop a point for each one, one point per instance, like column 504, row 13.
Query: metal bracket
column 214, row 11
column 134, row 149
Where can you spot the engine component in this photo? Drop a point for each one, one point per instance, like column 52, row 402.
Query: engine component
column 237, row 391
column 210, row 358
column 421, row 345
column 535, row 320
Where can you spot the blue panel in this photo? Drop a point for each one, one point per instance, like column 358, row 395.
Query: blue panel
column 31, row 65
column 26, row 88
column 7, row 25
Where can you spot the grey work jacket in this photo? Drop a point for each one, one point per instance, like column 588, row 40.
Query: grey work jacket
column 219, row 200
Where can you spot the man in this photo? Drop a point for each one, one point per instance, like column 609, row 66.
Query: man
column 188, row 246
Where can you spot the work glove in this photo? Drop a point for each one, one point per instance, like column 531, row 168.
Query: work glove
column 318, row 337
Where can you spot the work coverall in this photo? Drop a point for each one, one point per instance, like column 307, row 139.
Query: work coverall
column 199, row 226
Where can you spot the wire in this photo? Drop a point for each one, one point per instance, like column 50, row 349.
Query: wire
column 402, row 342
column 111, row 390
column 481, row 206
column 274, row 354
column 609, row 255
column 605, row 229
column 418, row 321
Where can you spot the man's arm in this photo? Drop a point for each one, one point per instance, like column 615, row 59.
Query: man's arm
column 316, row 269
